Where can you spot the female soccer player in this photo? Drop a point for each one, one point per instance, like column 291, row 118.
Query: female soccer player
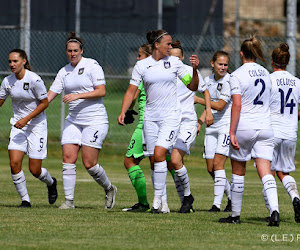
column 29, row 124
column 162, row 111
column 86, row 125
column 251, row 134
column 135, row 153
column 285, row 97
column 217, row 141
column 188, row 129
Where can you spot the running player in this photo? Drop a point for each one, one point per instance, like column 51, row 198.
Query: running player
column 285, row 98
column 29, row 124
column 86, row 125
column 251, row 134
column 217, row 141
column 188, row 129
column 135, row 153
column 162, row 111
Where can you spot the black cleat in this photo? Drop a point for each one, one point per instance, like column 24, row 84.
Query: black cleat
column 25, row 204
column 154, row 211
column 296, row 205
column 52, row 192
column 228, row 206
column 186, row 204
column 214, row 209
column 139, row 207
column 230, row 219
column 274, row 219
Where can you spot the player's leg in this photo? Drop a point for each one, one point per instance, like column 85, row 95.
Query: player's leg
column 177, row 182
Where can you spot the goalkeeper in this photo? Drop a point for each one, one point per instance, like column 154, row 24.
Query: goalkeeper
column 135, row 153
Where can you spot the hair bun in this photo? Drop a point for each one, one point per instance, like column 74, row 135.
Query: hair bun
column 284, row 47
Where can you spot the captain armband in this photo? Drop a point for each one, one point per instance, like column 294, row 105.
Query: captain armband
column 186, row 79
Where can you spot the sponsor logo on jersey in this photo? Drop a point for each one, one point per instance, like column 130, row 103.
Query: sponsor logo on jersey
column 219, row 87
column 26, row 86
column 167, row 65
column 80, row 71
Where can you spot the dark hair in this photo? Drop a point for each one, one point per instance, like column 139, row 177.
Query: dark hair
column 155, row 36
column 219, row 53
column 177, row 45
column 281, row 55
column 252, row 49
column 147, row 49
column 23, row 55
column 73, row 38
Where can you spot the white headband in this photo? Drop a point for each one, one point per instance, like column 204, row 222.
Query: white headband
column 166, row 33
column 74, row 40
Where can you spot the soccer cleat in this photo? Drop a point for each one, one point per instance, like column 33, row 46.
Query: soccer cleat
column 139, row 207
column 68, row 204
column 214, row 209
column 156, row 206
column 274, row 219
column 186, row 204
column 296, row 205
column 164, row 208
column 25, row 204
column 110, row 197
column 52, row 192
column 228, row 206
column 230, row 219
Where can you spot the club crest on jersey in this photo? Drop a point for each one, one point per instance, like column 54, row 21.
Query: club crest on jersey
column 26, row 86
column 80, row 71
column 167, row 65
column 219, row 87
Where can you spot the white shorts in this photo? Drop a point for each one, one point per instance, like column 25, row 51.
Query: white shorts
column 255, row 143
column 186, row 136
column 284, row 155
column 87, row 135
column 159, row 133
column 216, row 143
column 32, row 139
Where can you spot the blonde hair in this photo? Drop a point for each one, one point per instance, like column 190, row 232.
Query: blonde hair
column 252, row 49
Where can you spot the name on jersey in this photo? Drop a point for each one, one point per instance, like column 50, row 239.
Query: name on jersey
column 285, row 81
column 26, row 85
column 256, row 73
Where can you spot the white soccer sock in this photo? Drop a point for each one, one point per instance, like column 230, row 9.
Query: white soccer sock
column 45, row 177
column 164, row 196
column 290, row 186
column 220, row 181
column 159, row 178
column 179, row 187
column 20, row 184
column 237, row 192
column 227, row 190
column 69, row 180
column 266, row 199
column 184, row 180
column 270, row 188
column 99, row 175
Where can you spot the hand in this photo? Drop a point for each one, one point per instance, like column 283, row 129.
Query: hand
column 21, row 123
column 198, row 128
column 70, row 97
column 234, row 141
column 194, row 61
column 209, row 119
column 121, row 119
column 129, row 116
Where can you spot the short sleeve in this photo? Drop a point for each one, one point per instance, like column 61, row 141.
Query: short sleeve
column 40, row 90
column 202, row 84
column 3, row 90
column 235, row 87
column 136, row 76
column 57, row 85
column 97, row 74
column 225, row 93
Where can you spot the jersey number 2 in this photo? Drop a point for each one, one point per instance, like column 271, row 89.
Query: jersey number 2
column 256, row 100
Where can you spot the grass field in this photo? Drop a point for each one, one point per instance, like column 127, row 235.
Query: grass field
column 89, row 226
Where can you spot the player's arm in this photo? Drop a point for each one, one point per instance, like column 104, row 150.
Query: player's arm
column 134, row 99
column 235, row 115
column 51, row 95
column 40, row 108
column 201, row 120
column 193, row 84
column 209, row 119
column 127, row 101
column 98, row 92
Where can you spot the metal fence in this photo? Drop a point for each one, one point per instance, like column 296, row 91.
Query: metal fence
column 116, row 53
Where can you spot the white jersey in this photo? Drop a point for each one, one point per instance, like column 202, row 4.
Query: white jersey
column 87, row 75
column 285, row 97
column 186, row 96
column 219, row 90
column 26, row 95
column 160, row 83
column 253, row 83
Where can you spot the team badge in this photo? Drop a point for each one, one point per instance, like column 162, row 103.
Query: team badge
column 220, row 85
column 80, row 71
column 26, row 86
column 167, row 65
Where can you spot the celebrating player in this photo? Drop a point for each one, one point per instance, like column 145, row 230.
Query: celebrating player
column 250, row 132
column 86, row 125
column 217, row 141
column 29, row 124
column 162, row 111
column 188, row 129
column 285, row 97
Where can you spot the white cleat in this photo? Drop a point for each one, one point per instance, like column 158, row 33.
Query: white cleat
column 164, row 208
column 68, row 204
column 110, row 197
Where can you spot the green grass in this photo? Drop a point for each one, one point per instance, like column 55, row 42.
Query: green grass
column 89, row 226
